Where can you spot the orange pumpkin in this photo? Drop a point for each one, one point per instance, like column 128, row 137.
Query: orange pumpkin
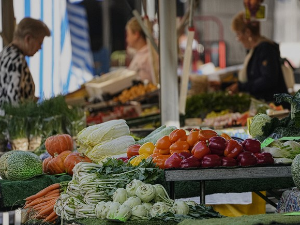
column 56, row 144
column 45, row 164
column 74, row 158
column 56, row 164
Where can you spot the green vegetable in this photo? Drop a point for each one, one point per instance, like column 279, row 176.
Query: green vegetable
column 21, row 165
column 181, row 207
column 123, row 213
column 154, row 136
column 120, row 195
column 146, row 192
column 257, row 123
column 3, row 163
column 132, row 186
column 139, row 212
column 113, row 208
column 294, row 100
column 133, row 201
column 159, row 208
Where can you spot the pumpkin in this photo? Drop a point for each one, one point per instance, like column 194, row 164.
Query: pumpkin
column 74, row 158
column 56, row 164
column 56, row 144
column 45, row 164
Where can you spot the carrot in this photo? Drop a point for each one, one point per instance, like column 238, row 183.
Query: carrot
column 57, row 191
column 44, row 191
column 47, row 209
column 43, row 204
column 39, row 200
column 50, row 217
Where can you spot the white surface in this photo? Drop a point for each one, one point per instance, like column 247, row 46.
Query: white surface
column 243, row 198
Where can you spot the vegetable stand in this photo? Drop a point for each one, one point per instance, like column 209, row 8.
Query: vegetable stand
column 275, row 173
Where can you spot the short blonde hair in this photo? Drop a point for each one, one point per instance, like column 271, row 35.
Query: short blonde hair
column 134, row 26
column 240, row 24
column 33, row 27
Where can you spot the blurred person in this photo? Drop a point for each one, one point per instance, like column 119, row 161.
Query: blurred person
column 141, row 62
column 16, row 82
column 261, row 75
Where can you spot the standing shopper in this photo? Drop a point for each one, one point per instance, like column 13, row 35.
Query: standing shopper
column 261, row 75
column 141, row 62
column 16, row 82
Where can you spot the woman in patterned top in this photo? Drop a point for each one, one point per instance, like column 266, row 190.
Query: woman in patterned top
column 16, row 82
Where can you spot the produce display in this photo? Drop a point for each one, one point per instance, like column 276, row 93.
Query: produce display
column 118, row 178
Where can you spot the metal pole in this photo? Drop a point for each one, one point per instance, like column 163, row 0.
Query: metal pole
column 168, row 63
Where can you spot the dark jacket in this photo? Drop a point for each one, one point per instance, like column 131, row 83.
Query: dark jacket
column 264, row 73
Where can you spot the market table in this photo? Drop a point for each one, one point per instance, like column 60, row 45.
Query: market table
column 273, row 173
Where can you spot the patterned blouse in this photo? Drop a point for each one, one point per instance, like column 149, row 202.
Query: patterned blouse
column 16, row 82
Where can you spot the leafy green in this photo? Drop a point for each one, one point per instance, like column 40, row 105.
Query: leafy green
column 201, row 104
column 294, row 100
column 198, row 211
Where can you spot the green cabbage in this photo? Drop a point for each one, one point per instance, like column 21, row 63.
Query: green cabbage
column 258, row 121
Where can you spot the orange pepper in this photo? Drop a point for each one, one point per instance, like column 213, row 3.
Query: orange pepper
column 179, row 151
column 159, row 160
column 177, row 134
column 204, row 135
column 226, row 136
column 192, row 138
column 163, row 143
column 180, row 145
column 161, row 151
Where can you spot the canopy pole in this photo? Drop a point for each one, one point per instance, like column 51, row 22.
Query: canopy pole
column 168, row 63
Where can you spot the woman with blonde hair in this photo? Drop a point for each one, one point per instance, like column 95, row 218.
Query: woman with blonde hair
column 261, row 75
column 16, row 82
column 142, row 61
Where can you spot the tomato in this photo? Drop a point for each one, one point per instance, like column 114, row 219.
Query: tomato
column 146, row 148
column 163, row 143
column 204, row 135
column 193, row 138
column 180, row 145
column 177, row 134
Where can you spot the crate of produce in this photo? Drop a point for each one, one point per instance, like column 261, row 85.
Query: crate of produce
column 110, row 83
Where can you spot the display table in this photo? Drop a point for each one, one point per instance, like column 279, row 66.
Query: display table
column 270, row 175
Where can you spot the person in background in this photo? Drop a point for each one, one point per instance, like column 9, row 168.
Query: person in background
column 141, row 62
column 261, row 75
column 16, row 82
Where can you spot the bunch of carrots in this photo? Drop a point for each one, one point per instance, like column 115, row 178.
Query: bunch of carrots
column 42, row 203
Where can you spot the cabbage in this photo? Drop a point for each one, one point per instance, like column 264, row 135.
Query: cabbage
column 258, row 121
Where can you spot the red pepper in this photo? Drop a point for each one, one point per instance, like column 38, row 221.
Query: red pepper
column 264, row 158
column 189, row 162
column 200, row 149
column 251, row 145
column 211, row 161
column 247, row 159
column 133, row 150
column 173, row 161
column 124, row 159
column 233, row 148
column 185, row 155
column 227, row 161
column 217, row 145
